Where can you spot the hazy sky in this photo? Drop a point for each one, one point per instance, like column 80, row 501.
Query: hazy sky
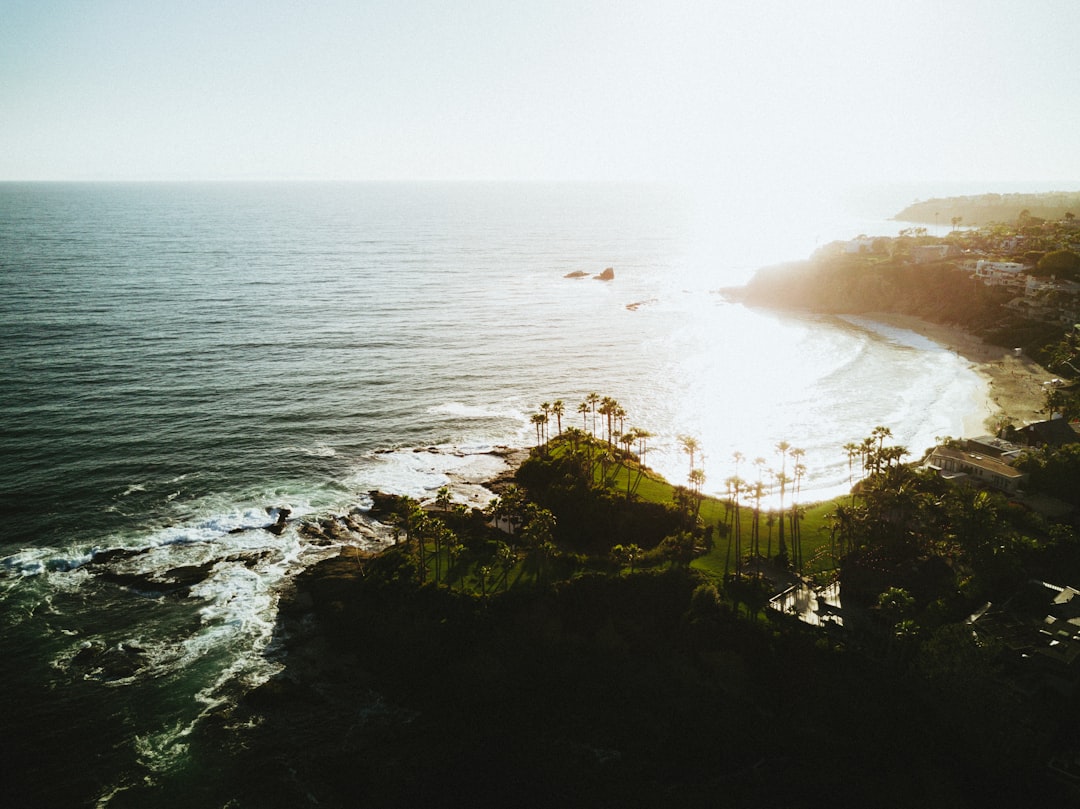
column 718, row 92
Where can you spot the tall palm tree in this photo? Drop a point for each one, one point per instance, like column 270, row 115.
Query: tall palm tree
column 642, row 437
column 620, row 414
column 758, row 492
column 593, row 399
column 735, row 485
column 627, row 439
column 690, row 446
column 697, row 480
column 852, row 450
column 607, row 410
column 538, row 420
column 880, row 433
column 583, row 409
column 506, row 559
column 798, row 470
column 782, row 480
column 558, row 408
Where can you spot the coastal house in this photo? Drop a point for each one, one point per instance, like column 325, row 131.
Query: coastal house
column 1053, row 433
column 1001, row 273
column 1039, row 626
column 967, row 466
column 994, row 447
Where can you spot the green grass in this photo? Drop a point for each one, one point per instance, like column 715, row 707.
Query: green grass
column 647, row 485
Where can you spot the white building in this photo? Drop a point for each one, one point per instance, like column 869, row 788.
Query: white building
column 1000, row 273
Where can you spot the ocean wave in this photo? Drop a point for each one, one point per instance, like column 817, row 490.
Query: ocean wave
column 459, row 410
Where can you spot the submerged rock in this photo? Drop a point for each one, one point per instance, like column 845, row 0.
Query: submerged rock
column 98, row 662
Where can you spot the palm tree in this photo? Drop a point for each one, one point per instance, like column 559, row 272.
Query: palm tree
column 620, row 414
column 758, row 492
column 626, row 439
column 642, row 436
column 558, row 408
column 690, row 446
column 607, row 410
column 545, row 408
column 796, row 533
column 537, row 532
column 852, row 450
column 453, row 552
column 592, row 399
column 583, row 409
column 880, row 433
column 538, row 420
column 575, row 437
column 697, row 480
column 735, row 485
column 782, row 479
column 506, row 558
column 443, row 537
column 507, row 506
column 442, row 499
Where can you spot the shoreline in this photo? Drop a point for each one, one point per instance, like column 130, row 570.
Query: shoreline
column 1014, row 384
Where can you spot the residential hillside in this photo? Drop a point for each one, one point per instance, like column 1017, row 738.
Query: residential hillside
column 1011, row 287
column 985, row 209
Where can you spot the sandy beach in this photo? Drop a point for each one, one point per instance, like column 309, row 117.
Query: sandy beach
column 1014, row 383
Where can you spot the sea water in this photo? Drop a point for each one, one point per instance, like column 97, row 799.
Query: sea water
column 179, row 364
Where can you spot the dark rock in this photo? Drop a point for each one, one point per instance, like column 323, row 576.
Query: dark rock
column 113, row 663
column 116, row 554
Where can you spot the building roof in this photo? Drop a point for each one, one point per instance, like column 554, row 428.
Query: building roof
column 975, row 459
column 1055, row 432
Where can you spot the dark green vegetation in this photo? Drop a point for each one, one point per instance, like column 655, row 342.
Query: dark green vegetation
column 986, row 209
column 610, row 648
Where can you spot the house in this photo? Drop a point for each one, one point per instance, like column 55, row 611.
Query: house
column 1001, row 273
column 1054, row 433
column 967, row 466
column 1040, row 627
column 994, row 447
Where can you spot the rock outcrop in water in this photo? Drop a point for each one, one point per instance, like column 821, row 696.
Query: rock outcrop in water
column 606, row 275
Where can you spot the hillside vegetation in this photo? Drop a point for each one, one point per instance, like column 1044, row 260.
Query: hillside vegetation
column 985, row 209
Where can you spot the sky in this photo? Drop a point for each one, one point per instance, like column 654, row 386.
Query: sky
column 724, row 94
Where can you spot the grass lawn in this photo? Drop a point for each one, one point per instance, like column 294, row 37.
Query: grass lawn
column 647, row 485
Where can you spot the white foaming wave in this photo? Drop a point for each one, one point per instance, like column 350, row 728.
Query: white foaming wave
column 36, row 561
column 162, row 751
column 421, row 473
column 134, row 487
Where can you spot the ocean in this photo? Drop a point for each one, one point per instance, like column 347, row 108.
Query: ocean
column 181, row 364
